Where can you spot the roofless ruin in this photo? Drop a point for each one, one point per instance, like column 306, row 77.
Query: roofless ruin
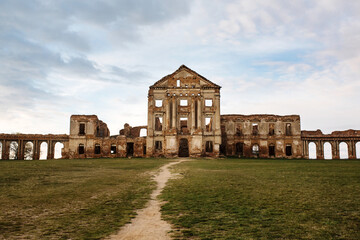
column 183, row 121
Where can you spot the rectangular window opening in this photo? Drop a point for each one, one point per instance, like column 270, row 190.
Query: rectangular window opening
column 288, row 129
column 82, row 129
column 183, row 102
column 271, row 129
column 208, row 102
column 113, row 149
column 158, row 103
column 184, row 125
column 209, row 146
column 255, row 129
column 208, row 124
column 238, row 130
column 158, row 145
column 178, row 83
column 158, row 123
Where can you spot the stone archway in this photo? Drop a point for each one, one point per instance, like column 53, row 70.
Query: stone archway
column 183, row 148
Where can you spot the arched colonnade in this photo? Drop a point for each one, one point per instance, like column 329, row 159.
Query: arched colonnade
column 31, row 146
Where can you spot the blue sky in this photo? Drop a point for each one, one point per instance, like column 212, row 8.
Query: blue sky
column 99, row 57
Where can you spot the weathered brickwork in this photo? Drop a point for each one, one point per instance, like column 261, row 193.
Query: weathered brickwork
column 183, row 121
column 261, row 136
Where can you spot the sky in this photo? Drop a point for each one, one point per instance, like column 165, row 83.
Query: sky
column 59, row 58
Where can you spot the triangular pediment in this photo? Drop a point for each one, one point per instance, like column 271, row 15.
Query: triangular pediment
column 187, row 76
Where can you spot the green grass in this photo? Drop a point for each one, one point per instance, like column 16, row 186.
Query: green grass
column 264, row 199
column 71, row 199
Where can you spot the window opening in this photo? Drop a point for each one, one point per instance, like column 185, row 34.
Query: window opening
column 184, row 125
column 288, row 129
column 238, row 130
column 271, row 129
column 209, row 146
column 183, row 102
column 208, row 124
column 144, row 150
column 158, row 123
column 143, row 132
column 158, row 145
column 82, row 129
column 208, row 102
column 113, row 149
column 158, row 103
column 178, row 83
column 255, row 129
column 288, row 150
column 97, row 149
column 255, row 150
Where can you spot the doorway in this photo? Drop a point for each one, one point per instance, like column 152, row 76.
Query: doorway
column 183, row 148
column 129, row 149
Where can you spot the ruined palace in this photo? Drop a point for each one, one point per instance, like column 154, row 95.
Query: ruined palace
column 183, row 120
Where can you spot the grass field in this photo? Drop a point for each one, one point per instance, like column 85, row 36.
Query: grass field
column 71, row 199
column 265, row 199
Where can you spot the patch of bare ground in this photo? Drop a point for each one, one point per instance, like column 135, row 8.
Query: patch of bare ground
column 148, row 223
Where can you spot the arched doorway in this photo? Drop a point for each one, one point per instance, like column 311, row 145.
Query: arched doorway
column 312, row 150
column 1, row 150
column 14, row 148
column 344, row 154
column 255, row 150
column 327, row 151
column 183, row 147
column 357, row 147
column 58, row 150
column 43, row 151
column 29, row 151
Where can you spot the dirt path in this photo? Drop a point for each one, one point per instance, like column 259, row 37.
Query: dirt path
column 148, row 223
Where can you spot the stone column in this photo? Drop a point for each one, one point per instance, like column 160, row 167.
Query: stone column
column 192, row 114
column 351, row 149
column 337, row 148
column 199, row 106
column 174, row 109
column 320, row 152
column 20, row 155
column 306, row 149
column 167, row 114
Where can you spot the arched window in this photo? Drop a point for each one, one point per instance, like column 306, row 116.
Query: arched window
column 343, row 147
column 58, row 150
column 43, row 151
column 29, row 151
column 312, row 151
column 327, row 151
column 14, row 148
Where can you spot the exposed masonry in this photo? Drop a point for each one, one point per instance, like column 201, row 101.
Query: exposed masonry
column 183, row 121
